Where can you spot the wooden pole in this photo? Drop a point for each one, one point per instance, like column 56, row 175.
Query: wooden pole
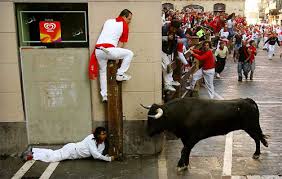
column 114, row 111
column 195, row 41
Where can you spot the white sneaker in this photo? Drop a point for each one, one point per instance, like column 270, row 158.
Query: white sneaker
column 104, row 99
column 217, row 75
column 123, row 77
column 169, row 88
column 175, row 83
column 188, row 87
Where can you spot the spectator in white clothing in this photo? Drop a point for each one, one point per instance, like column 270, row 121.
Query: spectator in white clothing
column 93, row 145
column 221, row 55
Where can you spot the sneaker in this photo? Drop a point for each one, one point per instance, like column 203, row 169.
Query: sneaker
column 104, row 99
column 270, row 59
column 188, row 87
column 217, row 75
column 27, row 155
column 169, row 88
column 123, row 77
column 175, row 83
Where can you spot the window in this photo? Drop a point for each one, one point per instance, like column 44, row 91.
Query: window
column 52, row 25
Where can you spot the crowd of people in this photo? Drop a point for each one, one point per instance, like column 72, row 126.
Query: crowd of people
column 220, row 34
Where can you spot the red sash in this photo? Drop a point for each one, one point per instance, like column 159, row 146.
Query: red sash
column 93, row 68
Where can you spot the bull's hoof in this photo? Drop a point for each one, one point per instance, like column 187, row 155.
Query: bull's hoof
column 265, row 143
column 180, row 169
column 256, row 156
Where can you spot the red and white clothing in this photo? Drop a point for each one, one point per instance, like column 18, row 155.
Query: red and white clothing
column 253, row 51
column 113, row 32
column 85, row 148
column 207, row 71
column 180, row 50
column 207, row 58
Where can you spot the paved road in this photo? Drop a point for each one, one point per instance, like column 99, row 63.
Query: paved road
column 229, row 155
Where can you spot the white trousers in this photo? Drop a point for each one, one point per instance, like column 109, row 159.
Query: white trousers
column 47, row 155
column 114, row 54
column 208, row 77
column 264, row 40
column 271, row 49
column 167, row 76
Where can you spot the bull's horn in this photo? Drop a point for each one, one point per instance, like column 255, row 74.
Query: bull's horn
column 158, row 115
column 146, row 107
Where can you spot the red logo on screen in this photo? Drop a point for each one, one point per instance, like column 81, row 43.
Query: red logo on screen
column 50, row 31
column 50, row 27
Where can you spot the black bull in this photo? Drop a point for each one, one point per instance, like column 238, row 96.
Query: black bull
column 193, row 119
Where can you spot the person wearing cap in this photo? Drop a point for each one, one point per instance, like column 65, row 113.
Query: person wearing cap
column 94, row 145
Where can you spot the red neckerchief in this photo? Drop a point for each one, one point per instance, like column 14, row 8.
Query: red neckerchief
column 120, row 19
column 125, row 28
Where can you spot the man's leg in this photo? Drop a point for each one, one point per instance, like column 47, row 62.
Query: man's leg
column 46, row 155
column 196, row 76
column 253, row 67
column 102, row 60
column 121, row 53
column 167, row 76
column 239, row 70
column 208, row 77
column 271, row 49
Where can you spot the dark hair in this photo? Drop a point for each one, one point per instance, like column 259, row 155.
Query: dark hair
column 207, row 42
column 175, row 23
column 98, row 131
column 251, row 42
column 125, row 13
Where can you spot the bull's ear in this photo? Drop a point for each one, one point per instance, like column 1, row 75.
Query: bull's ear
column 146, row 107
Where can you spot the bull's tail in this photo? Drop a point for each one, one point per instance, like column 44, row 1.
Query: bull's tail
column 262, row 136
column 255, row 108
column 263, row 140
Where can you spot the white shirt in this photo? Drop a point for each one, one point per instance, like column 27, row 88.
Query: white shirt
column 88, row 147
column 230, row 23
column 254, row 35
column 221, row 53
column 111, row 32
column 223, row 34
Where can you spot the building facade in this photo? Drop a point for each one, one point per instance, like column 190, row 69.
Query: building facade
column 45, row 94
column 228, row 6
column 271, row 12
